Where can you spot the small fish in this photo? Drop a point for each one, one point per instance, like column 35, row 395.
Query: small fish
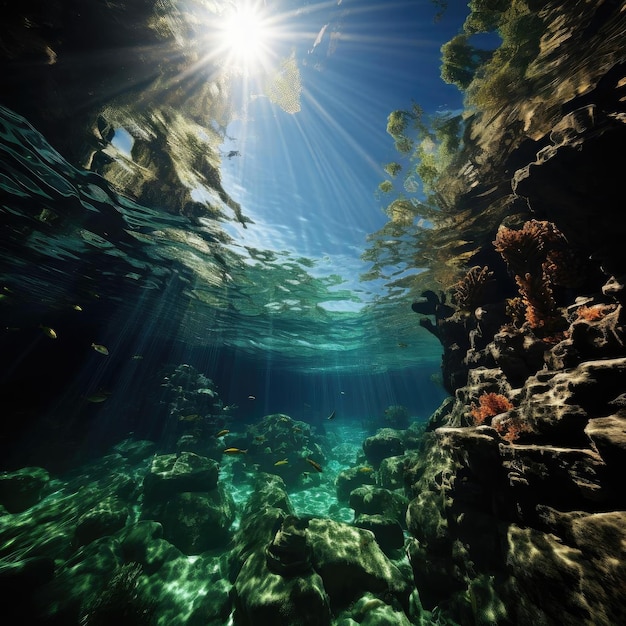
column 222, row 433
column 312, row 463
column 297, row 429
column 49, row 331
column 366, row 470
column 251, row 397
column 136, row 357
column 307, row 406
column 260, row 438
column 235, row 451
column 189, row 418
column 99, row 396
column 401, row 344
column 331, row 416
column 100, row 348
column 283, row 462
column 343, row 393
column 77, row 307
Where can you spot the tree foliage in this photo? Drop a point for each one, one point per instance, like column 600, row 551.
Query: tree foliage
column 461, row 60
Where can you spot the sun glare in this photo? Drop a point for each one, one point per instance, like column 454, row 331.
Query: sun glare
column 245, row 36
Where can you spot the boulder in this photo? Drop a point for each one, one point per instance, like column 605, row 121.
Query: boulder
column 387, row 531
column 379, row 501
column 171, row 474
column 21, row 489
column 350, row 479
column 196, row 521
column 264, row 597
column 385, row 443
column 350, row 562
column 106, row 518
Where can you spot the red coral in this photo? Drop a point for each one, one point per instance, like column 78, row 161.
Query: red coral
column 512, row 427
column 534, row 254
column 489, row 404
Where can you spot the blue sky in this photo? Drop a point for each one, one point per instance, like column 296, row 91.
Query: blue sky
column 309, row 180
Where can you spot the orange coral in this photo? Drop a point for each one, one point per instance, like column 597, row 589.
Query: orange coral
column 489, row 404
column 512, row 427
column 534, row 254
column 593, row 313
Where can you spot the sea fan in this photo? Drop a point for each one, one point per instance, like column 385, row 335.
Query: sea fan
column 469, row 292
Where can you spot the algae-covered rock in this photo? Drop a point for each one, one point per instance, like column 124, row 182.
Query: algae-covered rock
column 351, row 478
column 385, row 443
column 379, row 501
column 350, row 562
column 171, row 474
column 21, row 489
column 106, row 518
column 388, row 531
column 198, row 521
column 263, row 597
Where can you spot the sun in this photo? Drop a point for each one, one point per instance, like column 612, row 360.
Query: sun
column 245, row 36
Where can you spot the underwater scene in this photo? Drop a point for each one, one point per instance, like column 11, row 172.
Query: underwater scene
column 312, row 312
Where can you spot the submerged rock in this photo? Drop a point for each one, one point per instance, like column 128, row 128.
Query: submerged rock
column 385, row 443
column 21, row 489
column 170, row 474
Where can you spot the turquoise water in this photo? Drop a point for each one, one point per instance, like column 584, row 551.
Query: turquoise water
column 195, row 240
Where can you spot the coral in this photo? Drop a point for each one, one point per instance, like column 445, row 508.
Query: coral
column 536, row 254
column 594, row 313
column 511, row 427
column 489, row 404
column 469, row 292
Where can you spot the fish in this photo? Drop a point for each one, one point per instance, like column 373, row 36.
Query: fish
column 343, row 393
column 98, row 396
column 366, row 470
column 297, row 429
column 251, row 397
column 283, row 462
column 77, row 307
column 401, row 344
column 235, row 451
column 260, row 438
column 331, row 416
column 100, row 348
column 50, row 332
column 189, row 418
column 312, row 463
column 222, row 432
column 136, row 357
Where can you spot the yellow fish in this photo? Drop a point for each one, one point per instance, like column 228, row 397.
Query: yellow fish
column 100, row 348
column 235, row 451
column 49, row 331
column 77, row 307
column 222, row 433
column 283, row 462
column 316, row 466
column 189, row 418
column 366, row 470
